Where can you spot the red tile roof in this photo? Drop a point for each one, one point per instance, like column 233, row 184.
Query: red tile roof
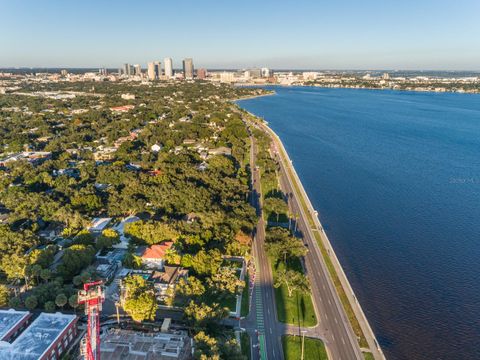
column 157, row 251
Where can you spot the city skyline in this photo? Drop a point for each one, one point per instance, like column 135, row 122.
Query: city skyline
column 433, row 35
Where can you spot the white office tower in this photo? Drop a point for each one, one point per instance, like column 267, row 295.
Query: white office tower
column 266, row 72
column 138, row 70
column 168, row 67
column 151, row 71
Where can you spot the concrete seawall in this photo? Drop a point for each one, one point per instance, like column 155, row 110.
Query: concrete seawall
column 374, row 347
column 360, row 315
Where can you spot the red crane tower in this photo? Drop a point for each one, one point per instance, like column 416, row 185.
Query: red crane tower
column 92, row 296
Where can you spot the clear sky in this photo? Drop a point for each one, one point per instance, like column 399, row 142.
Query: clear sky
column 301, row 34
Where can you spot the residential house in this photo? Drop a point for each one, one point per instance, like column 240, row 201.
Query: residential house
column 156, row 148
column 153, row 257
column 167, row 279
column 99, row 224
column 222, row 150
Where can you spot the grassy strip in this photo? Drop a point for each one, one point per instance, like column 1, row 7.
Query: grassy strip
column 368, row 356
column 245, row 345
column 245, row 298
column 229, row 301
column 313, row 348
column 295, row 310
column 331, row 269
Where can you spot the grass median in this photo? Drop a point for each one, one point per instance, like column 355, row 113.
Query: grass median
column 313, row 348
column 245, row 308
column 245, row 345
column 297, row 309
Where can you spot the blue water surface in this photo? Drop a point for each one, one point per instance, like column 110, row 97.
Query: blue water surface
column 395, row 177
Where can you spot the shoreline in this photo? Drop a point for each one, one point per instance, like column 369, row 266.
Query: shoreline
column 356, row 88
column 360, row 315
column 374, row 347
column 248, row 97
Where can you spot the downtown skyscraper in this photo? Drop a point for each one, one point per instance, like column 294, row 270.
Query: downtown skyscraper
column 154, row 70
column 188, row 68
column 168, row 67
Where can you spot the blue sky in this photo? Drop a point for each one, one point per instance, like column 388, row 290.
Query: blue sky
column 321, row 34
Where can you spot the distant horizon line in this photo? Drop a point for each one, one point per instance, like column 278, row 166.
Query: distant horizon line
column 242, row 68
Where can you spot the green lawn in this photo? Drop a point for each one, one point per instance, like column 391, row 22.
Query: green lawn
column 314, row 349
column 229, row 301
column 245, row 298
column 245, row 345
column 298, row 309
column 368, row 356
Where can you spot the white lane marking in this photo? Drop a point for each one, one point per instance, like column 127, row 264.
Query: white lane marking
column 326, row 316
column 268, row 310
column 343, row 341
column 270, row 331
column 329, row 302
column 333, row 337
column 336, row 322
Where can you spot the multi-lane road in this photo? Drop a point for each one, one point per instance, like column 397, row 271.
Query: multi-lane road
column 334, row 327
column 341, row 340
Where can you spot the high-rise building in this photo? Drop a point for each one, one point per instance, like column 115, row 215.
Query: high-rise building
column 151, row 71
column 158, row 69
column 168, row 67
column 254, row 73
column 138, row 70
column 188, row 68
column 201, row 73
column 266, row 72
column 126, row 69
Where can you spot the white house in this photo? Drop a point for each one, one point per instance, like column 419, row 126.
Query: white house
column 153, row 257
column 156, row 148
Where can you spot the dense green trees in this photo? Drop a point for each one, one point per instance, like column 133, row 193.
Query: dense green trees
column 190, row 287
column 225, row 280
column 75, row 259
column 107, row 239
column 281, row 245
column 164, row 188
column 203, row 316
column 31, row 302
column 61, row 300
column 275, row 206
column 207, row 262
column 150, row 232
column 140, row 301
column 4, row 296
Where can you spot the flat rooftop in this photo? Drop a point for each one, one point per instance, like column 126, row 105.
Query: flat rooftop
column 36, row 338
column 9, row 319
column 98, row 224
column 130, row 345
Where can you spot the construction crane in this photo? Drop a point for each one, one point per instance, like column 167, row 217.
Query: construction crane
column 92, row 296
